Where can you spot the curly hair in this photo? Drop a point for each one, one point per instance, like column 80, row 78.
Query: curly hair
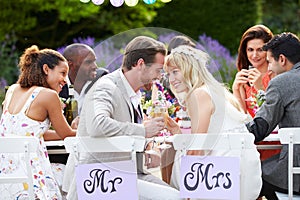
column 31, row 66
column 254, row 32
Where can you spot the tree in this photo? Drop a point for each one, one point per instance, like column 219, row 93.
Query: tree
column 282, row 15
column 224, row 20
column 52, row 23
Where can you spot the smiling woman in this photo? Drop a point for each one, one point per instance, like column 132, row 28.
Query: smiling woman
column 251, row 54
column 30, row 106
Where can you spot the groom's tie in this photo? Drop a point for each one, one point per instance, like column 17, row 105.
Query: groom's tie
column 137, row 115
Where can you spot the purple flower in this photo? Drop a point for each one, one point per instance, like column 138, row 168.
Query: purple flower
column 90, row 41
column 222, row 62
column 165, row 38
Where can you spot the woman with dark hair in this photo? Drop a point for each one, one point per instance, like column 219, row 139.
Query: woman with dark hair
column 248, row 82
column 30, row 107
column 180, row 40
column 252, row 65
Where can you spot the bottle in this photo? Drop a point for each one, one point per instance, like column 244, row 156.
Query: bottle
column 71, row 106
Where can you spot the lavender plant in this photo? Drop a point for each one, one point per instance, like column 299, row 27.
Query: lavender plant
column 9, row 56
column 223, row 63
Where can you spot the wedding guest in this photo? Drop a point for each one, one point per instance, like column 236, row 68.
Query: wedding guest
column 30, row 107
column 180, row 40
column 83, row 71
column 111, row 108
column 212, row 109
column 280, row 108
column 248, row 81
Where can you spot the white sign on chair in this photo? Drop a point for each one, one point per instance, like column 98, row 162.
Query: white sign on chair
column 210, row 177
column 114, row 181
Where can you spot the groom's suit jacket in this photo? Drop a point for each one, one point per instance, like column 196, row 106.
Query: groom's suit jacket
column 107, row 112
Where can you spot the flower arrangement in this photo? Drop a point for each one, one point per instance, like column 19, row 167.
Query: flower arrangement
column 258, row 99
column 163, row 98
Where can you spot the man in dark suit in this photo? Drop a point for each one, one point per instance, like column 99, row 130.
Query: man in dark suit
column 282, row 108
column 83, row 71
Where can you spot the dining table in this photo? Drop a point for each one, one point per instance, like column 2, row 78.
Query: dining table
column 56, row 150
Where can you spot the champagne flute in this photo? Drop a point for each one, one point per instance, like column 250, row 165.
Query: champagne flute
column 161, row 110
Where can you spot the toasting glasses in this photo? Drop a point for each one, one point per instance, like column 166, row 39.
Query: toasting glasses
column 159, row 110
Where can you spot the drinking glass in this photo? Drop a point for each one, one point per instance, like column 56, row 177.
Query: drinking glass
column 161, row 110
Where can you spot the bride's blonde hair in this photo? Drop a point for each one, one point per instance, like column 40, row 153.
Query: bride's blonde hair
column 193, row 64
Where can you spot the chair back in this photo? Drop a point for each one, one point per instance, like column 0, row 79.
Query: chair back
column 20, row 144
column 203, row 141
column 195, row 170
column 131, row 144
column 290, row 136
column 84, row 173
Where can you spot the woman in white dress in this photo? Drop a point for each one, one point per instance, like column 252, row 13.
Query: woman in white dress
column 30, row 107
column 212, row 109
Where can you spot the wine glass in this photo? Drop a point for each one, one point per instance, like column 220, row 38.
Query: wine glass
column 164, row 145
column 161, row 110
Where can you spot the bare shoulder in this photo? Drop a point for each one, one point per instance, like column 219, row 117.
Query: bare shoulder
column 201, row 93
column 48, row 95
column 199, row 96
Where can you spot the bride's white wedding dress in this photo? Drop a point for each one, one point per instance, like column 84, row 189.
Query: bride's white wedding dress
column 227, row 119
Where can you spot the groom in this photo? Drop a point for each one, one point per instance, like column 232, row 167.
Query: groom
column 111, row 108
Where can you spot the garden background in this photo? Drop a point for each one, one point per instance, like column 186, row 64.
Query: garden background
column 216, row 26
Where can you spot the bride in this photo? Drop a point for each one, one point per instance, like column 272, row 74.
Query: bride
column 212, row 109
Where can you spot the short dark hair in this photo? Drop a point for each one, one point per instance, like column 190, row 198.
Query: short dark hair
column 287, row 44
column 142, row 47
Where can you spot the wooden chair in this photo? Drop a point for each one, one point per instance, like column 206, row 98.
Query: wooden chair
column 290, row 136
column 19, row 144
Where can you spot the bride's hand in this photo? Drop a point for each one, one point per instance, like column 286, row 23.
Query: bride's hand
column 172, row 126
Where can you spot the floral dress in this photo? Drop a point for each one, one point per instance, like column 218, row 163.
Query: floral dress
column 45, row 186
